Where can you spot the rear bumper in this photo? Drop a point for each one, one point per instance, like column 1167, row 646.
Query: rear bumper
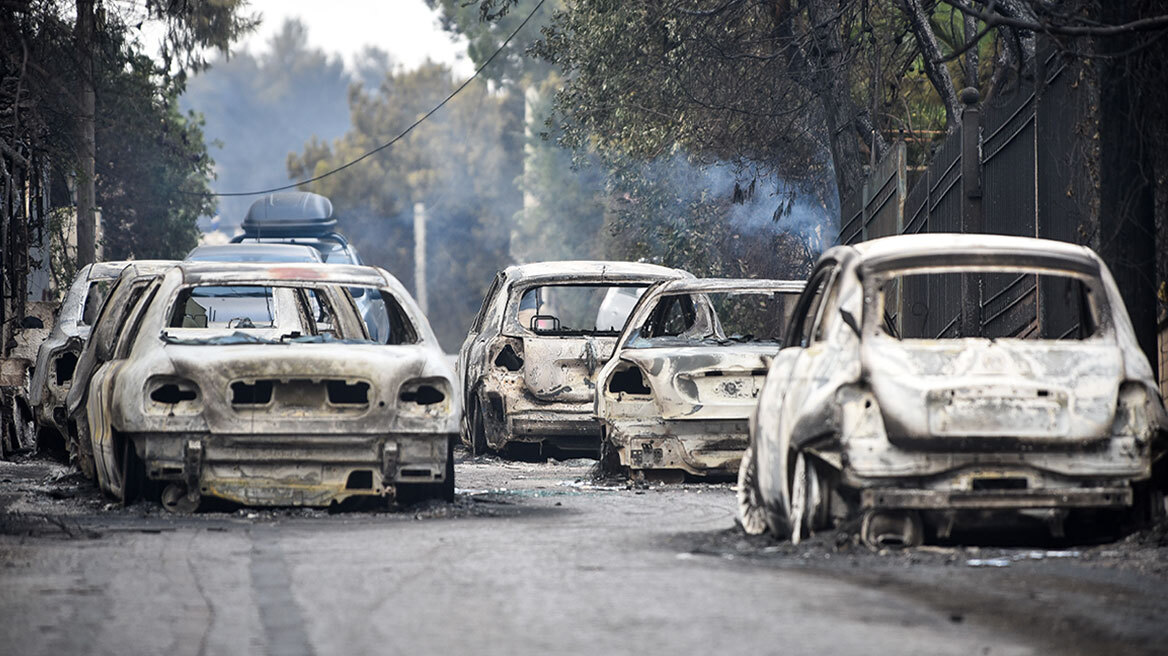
column 1095, row 497
column 293, row 470
column 569, row 431
column 700, row 448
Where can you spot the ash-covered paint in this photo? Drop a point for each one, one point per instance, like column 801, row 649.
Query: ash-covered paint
column 692, row 414
column 543, row 387
column 338, row 417
column 899, row 430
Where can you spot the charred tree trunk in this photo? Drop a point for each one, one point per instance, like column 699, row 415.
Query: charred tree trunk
column 821, row 64
column 971, row 55
column 86, row 144
column 935, row 69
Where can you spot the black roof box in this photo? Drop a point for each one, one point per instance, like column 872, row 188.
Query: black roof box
column 290, row 214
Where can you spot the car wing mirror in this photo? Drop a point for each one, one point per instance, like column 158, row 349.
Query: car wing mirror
column 851, row 321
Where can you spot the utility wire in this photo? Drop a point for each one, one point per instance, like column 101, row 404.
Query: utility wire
column 391, row 142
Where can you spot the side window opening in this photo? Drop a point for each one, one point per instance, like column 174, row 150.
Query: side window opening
column 673, row 316
column 126, row 342
column 317, row 311
column 383, row 317
column 109, row 340
column 808, row 307
column 401, row 329
column 95, row 295
column 824, row 315
column 477, row 324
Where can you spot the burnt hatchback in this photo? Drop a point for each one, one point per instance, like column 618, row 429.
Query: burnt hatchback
column 936, row 380
column 530, row 359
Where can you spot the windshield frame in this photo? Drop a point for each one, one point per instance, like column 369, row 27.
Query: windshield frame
column 874, row 295
column 694, row 287
column 514, row 327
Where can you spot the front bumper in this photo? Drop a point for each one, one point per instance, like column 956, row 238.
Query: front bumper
column 698, row 447
column 293, row 470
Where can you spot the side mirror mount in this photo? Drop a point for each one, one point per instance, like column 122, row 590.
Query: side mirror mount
column 851, row 321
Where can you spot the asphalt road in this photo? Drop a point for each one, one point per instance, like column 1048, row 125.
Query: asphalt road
column 535, row 558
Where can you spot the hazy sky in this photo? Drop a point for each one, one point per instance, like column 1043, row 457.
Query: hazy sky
column 406, row 29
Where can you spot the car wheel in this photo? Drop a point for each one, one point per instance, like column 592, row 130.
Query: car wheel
column 752, row 512
column 409, row 494
column 609, row 460
column 121, row 475
column 478, row 431
column 81, row 451
column 176, row 499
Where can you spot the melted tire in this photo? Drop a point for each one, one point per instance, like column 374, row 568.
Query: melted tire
column 752, row 513
column 409, row 494
column 478, row 431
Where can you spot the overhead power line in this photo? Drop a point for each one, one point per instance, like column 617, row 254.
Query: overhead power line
column 394, row 140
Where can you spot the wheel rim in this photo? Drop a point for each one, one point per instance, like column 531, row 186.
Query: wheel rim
column 478, row 432
column 798, row 499
column 751, row 513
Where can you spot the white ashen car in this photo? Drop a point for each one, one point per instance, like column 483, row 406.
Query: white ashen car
column 933, row 381
column 259, row 384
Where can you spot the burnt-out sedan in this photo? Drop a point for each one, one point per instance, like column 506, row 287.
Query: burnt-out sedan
column 259, row 384
column 529, row 361
column 676, row 395
column 57, row 356
column 937, row 381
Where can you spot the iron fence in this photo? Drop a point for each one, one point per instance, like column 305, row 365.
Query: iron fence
column 1013, row 176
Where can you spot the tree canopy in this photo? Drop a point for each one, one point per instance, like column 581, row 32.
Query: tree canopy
column 455, row 163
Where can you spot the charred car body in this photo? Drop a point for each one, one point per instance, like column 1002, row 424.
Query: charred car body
column 59, row 354
column 260, row 385
column 936, row 379
column 529, row 360
column 686, row 374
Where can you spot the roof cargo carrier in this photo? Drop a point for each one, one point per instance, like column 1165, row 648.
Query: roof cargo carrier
column 290, row 214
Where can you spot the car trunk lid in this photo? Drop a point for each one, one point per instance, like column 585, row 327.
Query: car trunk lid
column 986, row 390
column 564, row 368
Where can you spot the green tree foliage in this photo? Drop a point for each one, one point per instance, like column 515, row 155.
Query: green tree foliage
column 261, row 106
column 455, row 163
column 152, row 165
column 151, row 159
column 641, row 180
column 485, row 26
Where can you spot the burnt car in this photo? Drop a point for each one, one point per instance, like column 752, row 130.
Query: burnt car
column 58, row 355
column 260, row 385
column 253, row 253
column 542, row 333
column 940, row 381
column 688, row 367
